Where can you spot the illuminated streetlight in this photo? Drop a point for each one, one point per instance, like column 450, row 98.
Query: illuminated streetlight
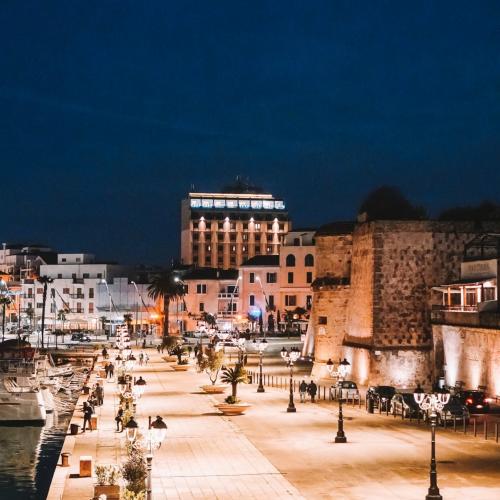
column 341, row 372
column 432, row 402
column 261, row 345
column 139, row 387
column 132, row 429
column 290, row 357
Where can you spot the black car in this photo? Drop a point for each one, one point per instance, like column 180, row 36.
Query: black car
column 381, row 395
column 403, row 403
column 453, row 410
column 80, row 337
column 476, row 401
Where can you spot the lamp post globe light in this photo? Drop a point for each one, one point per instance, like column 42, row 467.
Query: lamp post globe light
column 132, row 428
column 432, row 403
column 290, row 357
column 341, row 372
column 139, row 387
column 261, row 346
column 157, row 432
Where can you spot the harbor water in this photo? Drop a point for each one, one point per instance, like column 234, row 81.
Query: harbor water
column 28, row 457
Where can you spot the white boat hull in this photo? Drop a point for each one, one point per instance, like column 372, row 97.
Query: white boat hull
column 26, row 407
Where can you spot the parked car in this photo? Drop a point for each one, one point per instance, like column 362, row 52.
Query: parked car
column 454, row 410
column 476, row 401
column 80, row 337
column 403, row 403
column 381, row 396
column 344, row 389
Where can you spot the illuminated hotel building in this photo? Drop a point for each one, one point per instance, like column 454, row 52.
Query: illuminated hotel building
column 223, row 230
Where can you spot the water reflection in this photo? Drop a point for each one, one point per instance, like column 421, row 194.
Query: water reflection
column 28, row 456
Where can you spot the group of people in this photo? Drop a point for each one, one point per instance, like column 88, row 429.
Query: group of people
column 96, row 398
column 109, row 368
column 305, row 388
column 143, row 358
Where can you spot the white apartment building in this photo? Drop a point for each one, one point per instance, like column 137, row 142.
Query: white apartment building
column 92, row 295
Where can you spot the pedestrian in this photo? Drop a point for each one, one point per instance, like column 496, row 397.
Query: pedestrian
column 190, row 350
column 312, row 389
column 87, row 415
column 119, row 420
column 141, row 358
column 144, row 344
column 302, row 391
column 111, row 370
column 158, row 348
column 100, row 395
column 162, row 348
column 245, row 359
column 146, row 358
column 105, row 353
column 106, row 369
column 196, row 349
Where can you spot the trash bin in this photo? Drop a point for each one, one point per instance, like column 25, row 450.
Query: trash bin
column 370, row 405
column 74, row 429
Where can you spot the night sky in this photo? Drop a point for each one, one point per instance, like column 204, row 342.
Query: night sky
column 110, row 110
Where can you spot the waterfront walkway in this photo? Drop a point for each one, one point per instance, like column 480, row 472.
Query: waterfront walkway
column 271, row 453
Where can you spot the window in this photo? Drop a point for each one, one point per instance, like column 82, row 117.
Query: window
column 309, row 277
column 271, row 277
column 78, row 259
column 79, row 308
column 91, row 293
column 39, row 290
column 91, row 307
column 39, row 305
column 290, row 300
column 257, row 226
column 186, row 289
column 86, row 275
column 290, row 260
column 252, row 300
column 73, row 275
column 201, row 288
column 201, row 307
column 59, row 276
column 99, row 275
column 290, row 277
column 296, row 242
column 251, row 278
column 52, row 293
column 66, row 291
column 309, row 260
column 309, row 300
column 63, row 259
column 52, row 307
column 270, row 301
column 322, row 320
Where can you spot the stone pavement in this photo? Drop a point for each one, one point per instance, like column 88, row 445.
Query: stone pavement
column 271, row 453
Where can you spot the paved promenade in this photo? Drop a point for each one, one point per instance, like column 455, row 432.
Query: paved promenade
column 271, row 453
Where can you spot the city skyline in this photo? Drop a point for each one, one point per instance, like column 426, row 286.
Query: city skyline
column 104, row 133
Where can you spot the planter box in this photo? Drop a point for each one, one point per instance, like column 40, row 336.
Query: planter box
column 214, row 389
column 233, row 409
column 112, row 492
column 170, row 359
column 180, row 368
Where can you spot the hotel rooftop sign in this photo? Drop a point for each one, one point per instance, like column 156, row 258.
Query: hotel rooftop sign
column 206, row 201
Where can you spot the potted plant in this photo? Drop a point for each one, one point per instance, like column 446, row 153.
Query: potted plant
column 134, row 471
column 107, row 479
column 234, row 376
column 170, row 343
column 211, row 363
column 182, row 363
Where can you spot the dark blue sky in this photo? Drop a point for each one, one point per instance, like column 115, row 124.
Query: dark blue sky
column 110, row 110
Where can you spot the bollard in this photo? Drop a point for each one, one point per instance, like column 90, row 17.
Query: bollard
column 496, row 432
column 379, row 407
column 324, row 393
column 65, row 459
column 455, row 423
column 465, row 422
column 485, row 429
column 359, row 402
column 474, row 426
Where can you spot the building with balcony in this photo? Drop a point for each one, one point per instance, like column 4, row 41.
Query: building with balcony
column 223, row 230
column 22, row 260
column 466, row 319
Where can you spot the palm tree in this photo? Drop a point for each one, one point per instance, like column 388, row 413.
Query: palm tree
column 45, row 281
column 61, row 316
column 5, row 300
column 234, row 376
column 165, row 287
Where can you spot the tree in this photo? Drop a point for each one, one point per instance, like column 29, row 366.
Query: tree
column 211, row 363
column 388, row 203
column 5, row 300
column 128, row 321
column 209, row 319
column 45, row 281
column 178, row 351
column 165, row 287
column 234, row 376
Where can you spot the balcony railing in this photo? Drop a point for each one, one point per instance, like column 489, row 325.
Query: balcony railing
column 77, row 295
column 465, row 317
column 227, row 314
column 457, row 308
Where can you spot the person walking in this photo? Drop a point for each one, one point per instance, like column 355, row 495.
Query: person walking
column 87, row 415
column 158, row 348
column 312, row 389
column 99, row 390
column 141, row 358
column 196, row 349
column 105, row 353
column 111, row 370
column 119, row 420
column 303, row 391
column 146, row 358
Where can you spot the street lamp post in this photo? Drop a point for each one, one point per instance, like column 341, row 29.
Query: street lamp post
column 432, row 402
column 156, row 434
column 341, row 372
column 261, row 346
column 290, row 357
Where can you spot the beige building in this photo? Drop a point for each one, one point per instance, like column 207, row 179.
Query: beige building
column 297, row 273
column 223, row 230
